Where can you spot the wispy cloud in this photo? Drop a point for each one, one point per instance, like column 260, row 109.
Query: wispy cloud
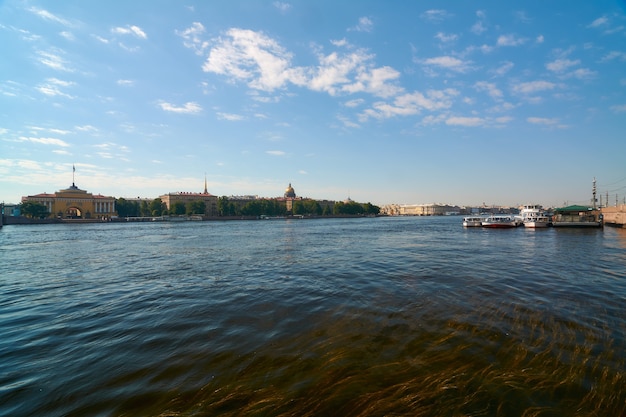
column 46, row 15
column 229, row 116
column 281, row 6
column 53, row 60
column 130, row 30
column 448, row 62
column 561, row 65
column 542, row 121
column 504, row 68
column 45, row 141
column 465, row 121
column 599, row 22
column 435, row 15
column 446, row 37
column 490, row 88
column 510, row 40
column 619, row 109
column 410, row 104
column 52, row 87
column 126, row 83
column 276, row 153
column 187, row 108
column 365, row 25
column 192, row 38
column 533, row 87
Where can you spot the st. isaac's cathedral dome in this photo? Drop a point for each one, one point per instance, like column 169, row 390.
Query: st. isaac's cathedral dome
column 290, row 192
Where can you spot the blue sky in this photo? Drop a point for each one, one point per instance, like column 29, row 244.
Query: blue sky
column 408, row 102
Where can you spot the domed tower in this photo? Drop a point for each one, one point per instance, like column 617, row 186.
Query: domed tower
column 290, row 192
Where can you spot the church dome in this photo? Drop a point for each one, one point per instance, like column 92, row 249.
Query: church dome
column 290, row 192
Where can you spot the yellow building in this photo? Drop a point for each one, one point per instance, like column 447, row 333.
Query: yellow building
column 74, row 203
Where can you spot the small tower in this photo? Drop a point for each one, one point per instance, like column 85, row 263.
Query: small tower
column 205, row 189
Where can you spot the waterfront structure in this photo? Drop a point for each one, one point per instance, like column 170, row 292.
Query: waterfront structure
column 426, row 210
column 74, row 203
column 209, row 200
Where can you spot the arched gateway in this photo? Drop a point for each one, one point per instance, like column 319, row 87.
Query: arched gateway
column 74, row 203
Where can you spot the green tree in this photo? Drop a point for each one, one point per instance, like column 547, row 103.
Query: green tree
column 157, row 207
column 34, row 210
column 126, row 208
column 196, row 207
column 178, row 208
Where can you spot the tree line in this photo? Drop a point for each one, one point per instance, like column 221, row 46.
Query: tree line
column 225, row 207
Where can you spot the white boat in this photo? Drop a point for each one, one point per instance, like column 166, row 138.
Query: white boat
column 533, row 216
column 538, row 221
column 500, row 221
column 473, row 221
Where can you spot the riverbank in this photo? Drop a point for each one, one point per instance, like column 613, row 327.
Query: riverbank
column 614, row 216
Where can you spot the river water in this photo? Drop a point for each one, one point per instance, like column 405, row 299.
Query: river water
column 336, row 317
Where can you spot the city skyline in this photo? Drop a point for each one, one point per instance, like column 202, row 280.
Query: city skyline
column 423, row 102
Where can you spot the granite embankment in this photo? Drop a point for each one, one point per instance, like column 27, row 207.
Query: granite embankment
column 615, row 216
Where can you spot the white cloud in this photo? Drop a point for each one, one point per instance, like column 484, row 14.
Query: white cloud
column 465, row 121
column 54, row 61
column 446, row 38
column 478, row 28
column 542, row 121
column 250, row 56
column 490, row 88
column 229, row 116
column 539, row 39
column 411, row 104
column 128, row 83
column 504, row 68
column 582, row 74
column 375, row 82
column 448, row 62
column 354, row 103
column 86, row 128
column 45, row 141
column 435, row 15
column 193, row 38
column 68, row 35
column 614, row 55
column 365, row 25
column 276, row 153
column 282, row 7
column 510, row 40
column 601, row 21
column 533, row 87
column 187, row 108
column 561, row 65
column 52, row 87
column 46, row 15
column 130, row 30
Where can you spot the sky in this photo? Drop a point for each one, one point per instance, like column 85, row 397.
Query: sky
column 388, row 102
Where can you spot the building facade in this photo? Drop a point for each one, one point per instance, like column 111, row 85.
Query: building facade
column 74, row 203
column 209, row 200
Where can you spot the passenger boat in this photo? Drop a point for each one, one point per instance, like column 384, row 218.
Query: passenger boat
column 538, row 221
column 577, row 216
column 533, row 216
column 473, row 221
column 500, row 221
